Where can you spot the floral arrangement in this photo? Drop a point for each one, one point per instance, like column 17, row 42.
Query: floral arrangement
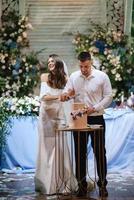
column 112, row 51
column 24, row 106
column 15, row 106
column 19, row 69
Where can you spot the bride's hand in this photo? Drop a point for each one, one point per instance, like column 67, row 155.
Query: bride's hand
column 71, row 93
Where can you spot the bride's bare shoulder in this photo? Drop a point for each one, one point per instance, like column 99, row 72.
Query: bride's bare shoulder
column 44, row 77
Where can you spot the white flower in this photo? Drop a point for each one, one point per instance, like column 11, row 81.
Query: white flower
column 20, row 71
column 19, row 39
column 113, row 71
column 22, row 26
column 13, row 62
column 22, row 18
column 29, row 26
column 115, row 60
column 8, row 86
column 26, row 64
column 20, row 30
column 2, row 61
column 105, row 52
column 35, row 109
column 24, row 34
column 109, row 57
column 20, row 106
column 6, row 54
column 13, row 108
column 94, row 50
column 12, row 35
column 23, row 59
column 14, row 85
column 118, row 77
column 3, row 67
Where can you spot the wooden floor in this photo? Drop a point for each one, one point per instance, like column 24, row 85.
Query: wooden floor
column 21, row 187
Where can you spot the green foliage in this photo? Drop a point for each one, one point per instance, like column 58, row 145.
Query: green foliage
column 115, row 55
column 2, row 83
column 5, row 126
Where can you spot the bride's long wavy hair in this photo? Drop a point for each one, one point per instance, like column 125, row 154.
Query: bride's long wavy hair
column 57, row 77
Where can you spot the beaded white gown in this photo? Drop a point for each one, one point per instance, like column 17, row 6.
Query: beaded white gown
column 47, row 177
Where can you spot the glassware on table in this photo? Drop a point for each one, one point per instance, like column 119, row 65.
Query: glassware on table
column 118, row 102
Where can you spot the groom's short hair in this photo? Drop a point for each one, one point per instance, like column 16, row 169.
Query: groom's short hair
column 84, row 55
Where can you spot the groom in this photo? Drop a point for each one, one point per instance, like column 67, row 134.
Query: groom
column 93, row 88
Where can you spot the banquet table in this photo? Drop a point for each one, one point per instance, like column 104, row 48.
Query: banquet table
column 20, row 153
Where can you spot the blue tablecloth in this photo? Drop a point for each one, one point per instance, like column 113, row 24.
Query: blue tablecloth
column 119, row 140
column 21, row 150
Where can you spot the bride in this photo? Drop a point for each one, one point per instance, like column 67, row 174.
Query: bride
column 48, row 179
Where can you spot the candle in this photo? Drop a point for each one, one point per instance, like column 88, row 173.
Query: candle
column 122, row 98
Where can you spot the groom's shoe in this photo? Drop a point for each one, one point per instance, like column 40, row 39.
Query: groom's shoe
column 81, row 192
column 103, row 192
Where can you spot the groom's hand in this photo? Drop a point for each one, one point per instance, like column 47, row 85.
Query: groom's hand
column 64, row 97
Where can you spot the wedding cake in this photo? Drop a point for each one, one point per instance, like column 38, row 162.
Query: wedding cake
column 77, row 119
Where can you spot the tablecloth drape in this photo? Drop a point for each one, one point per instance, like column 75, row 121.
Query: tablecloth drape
column 21, row 149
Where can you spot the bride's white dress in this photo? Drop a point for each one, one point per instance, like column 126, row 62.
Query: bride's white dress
column 48, row 179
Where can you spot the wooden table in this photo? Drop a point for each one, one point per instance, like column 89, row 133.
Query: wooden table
column 70, row 130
